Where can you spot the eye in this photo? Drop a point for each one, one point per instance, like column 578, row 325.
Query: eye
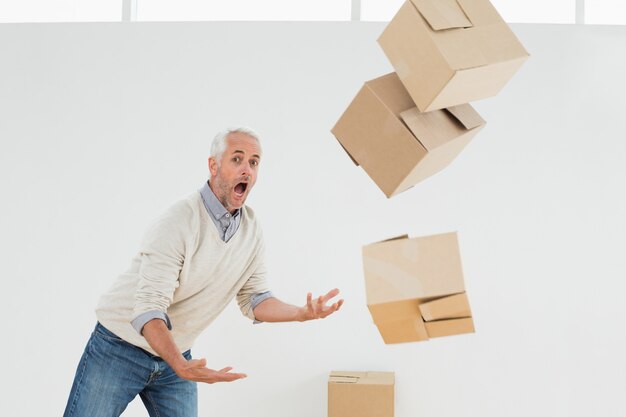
column 236, row 159
column 254, row 163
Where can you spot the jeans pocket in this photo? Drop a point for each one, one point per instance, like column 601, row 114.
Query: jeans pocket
column 103, row 332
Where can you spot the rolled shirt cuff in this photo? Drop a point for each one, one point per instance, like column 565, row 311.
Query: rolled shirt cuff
column 256, row 299
column 141, row 320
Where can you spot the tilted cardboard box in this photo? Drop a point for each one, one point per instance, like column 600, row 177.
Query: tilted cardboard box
column 415, row 289
column 361, row 394
column 449, row 52
column 396, row 145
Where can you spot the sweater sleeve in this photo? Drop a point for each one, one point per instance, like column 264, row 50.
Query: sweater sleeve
column 256, row 284
column 162, row 255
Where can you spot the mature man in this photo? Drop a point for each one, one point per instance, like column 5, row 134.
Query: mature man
column 201, row 253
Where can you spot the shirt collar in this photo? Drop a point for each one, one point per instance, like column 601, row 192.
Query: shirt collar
column 212, row 204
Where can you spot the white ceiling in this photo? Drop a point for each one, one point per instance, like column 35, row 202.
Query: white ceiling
column 528, row 11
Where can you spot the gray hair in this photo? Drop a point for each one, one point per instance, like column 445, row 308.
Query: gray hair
column 218, row 146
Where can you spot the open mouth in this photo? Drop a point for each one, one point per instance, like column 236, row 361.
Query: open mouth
column 241, row 188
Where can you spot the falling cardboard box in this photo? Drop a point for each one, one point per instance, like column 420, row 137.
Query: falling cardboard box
column 449, row 52
column 415, row 288
column 396, row 145
column 361, row 394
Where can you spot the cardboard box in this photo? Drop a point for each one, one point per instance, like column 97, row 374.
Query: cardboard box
column 415, row 289
column 361, row 394
column 396, row 145
column 452, row 307
column 449, row 52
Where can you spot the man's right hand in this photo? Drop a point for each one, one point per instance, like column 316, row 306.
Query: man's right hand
column 196, row 370
column 160, row 339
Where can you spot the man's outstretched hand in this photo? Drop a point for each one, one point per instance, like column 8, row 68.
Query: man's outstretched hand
column 317, row 308
column 196, row 370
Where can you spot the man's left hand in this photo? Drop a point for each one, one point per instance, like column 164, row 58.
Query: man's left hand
column 317, row 308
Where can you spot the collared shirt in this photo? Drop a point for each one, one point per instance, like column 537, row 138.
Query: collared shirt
column 225, row 222
column 227, row 225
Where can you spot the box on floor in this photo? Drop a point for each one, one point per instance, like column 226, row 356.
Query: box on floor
column 361, row 394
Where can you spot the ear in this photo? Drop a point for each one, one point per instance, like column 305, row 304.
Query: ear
column 213, row 166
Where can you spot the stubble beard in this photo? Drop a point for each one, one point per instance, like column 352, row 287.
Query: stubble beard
column 224, row 190
column 224, row 196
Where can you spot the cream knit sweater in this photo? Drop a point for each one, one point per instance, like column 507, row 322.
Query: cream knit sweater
column 184, row 269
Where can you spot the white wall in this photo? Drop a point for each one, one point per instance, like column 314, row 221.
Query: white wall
column 104, row 125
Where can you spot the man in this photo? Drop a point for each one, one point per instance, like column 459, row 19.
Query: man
column 201, row 253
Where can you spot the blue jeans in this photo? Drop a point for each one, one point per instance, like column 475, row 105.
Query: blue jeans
column 112, row 372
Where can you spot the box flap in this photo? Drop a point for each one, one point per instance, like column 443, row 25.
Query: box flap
column 344, row 379
column 480, row 12
column 399, row 321
column 391, row 92
column 481, row 45
column 403, row 330
column 405, row 236
column 396, row 310
column 366, row 378
column 442, row 14
column 345, row 376
column 380, row 378
column 466, row 114
column 348, row 374
column 440, row 328
column 452, row 307
column 432, row 129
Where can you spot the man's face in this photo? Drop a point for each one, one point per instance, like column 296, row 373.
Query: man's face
column 235, row 174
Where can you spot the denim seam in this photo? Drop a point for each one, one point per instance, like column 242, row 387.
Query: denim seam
column 153, row 403
column 79, row 382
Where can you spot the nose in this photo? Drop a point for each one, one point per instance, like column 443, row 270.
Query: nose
column 246, row 170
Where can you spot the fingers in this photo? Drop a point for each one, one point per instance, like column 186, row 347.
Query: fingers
column 317, row 309
column 230, row 376
column 327, row 312
column 333, row 308
column 330, row 310
column 330, row 294
column 224, row 375
column 323, row 299
column 309, row 301
column 210, row 376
